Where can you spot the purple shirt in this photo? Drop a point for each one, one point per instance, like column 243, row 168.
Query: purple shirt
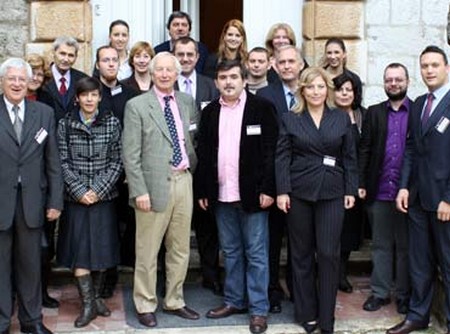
column 397, row 128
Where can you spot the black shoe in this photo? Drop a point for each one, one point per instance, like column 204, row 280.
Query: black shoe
column 275, row 307
column 374, row 303
column 402, row 306
column 38, row 328
column 49, row 302
column 309, row 326
column 214, row 286
column 344, row 285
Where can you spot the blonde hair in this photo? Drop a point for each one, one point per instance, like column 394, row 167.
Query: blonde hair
column 223, row 53
column 37, row 61
column 271, row 35
column 137, row 48
column 306, row 77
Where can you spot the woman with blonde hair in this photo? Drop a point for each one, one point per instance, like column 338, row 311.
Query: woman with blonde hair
column 140, row 56
column 316, row 174
column 232, row 45
column 41, row 74
column 278, row 35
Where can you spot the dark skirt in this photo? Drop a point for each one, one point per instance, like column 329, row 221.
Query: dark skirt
column 88, row 236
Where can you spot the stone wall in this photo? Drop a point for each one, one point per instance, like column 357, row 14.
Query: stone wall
column 14, row 30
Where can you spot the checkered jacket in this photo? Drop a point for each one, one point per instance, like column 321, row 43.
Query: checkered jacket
column 90, row 156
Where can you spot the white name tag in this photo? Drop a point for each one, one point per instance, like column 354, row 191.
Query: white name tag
column 203, row 104
column 442, row 125
column 41, row 135
column 329, row 161
column 253, row 130
column 116, row 90
column 192, row 127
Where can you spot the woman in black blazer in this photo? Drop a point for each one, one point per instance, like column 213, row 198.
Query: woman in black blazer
column 347, row 97
column 316, row 177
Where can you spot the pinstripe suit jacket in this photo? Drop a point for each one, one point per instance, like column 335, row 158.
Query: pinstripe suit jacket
column 300, row 168
column 147, row 146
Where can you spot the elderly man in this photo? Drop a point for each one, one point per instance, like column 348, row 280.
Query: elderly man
column 158, row 157
column 31, row 188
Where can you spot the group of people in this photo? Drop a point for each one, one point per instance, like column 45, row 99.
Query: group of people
column 248, row 146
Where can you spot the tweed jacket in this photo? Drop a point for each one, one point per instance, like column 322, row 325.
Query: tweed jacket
column 90, row 156
column 148, row 148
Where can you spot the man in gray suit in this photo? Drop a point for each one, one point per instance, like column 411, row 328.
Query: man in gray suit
column 158, row 156
column 30, row 177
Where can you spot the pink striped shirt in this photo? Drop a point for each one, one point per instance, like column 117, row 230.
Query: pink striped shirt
column 230, row 125
column 184, row 164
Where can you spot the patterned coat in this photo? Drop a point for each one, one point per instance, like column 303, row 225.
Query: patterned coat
column 90, row 156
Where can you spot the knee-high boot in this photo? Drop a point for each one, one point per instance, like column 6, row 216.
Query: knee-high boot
column 88, row 308
column 99, row 281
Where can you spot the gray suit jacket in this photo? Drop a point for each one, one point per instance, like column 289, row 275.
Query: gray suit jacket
column 37, row 162
column 147, row 146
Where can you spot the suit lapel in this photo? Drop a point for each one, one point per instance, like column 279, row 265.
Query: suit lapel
column 437, row 113
column 29, row 124
column 280, row 98
column 156, row 113
column 5, row 121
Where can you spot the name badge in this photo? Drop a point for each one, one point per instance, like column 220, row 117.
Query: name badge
column 329, row 161
column 41, row 135
column 116, row 90
column 442, row 125
column 192, row 127
column 253, row 130
column 203, row 104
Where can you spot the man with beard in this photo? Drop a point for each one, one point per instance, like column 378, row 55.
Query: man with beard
column 257, row 65
column 380, row 159
column 114, row 98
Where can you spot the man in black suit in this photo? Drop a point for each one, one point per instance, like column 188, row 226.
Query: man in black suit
column 31, row 188
column 59, row 92
column 289, row 64
column 203, row 90
column 382, row 147
column 425, row 191
column 180, row 25
column 236, row 179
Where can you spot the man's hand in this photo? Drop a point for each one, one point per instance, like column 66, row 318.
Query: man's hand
column 52, row 214
column 402, row 200
column 284, row 202
column 265, row 201
column 362, row 193
column 203, row 202
column 143, row 203
column 349, row 201
column 443, row 211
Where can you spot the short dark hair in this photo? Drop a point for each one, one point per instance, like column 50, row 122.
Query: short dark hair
column 259, row 49
column 103, row 47
column 87, row 84
column 340, row 80
column 435, row 49
column 398, row 65
column 184, row 40
column 179, row 15
column 118, row 23
column 226, row 65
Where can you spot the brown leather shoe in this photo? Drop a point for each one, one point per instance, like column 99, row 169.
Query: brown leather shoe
column 405, row 327
column 258, row 324
column 224, row 311
column 147, row 319
column 184, row 312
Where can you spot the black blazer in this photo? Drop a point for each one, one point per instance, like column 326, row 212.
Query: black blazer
column 202, row 50
column 372, row 148
column 426, row 164
column 301, row 149
column 256, row 161
column 52, row 98
column 274, row 92
column 206, row 90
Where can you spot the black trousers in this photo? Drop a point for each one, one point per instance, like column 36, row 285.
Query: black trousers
column 20, row 261
column 314, row 230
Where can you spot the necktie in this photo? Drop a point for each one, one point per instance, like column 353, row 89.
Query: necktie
column 17, row 125
column 291, row 101
column 168, row 115
column 188, row 84
column 63, row 87
column 427, row 110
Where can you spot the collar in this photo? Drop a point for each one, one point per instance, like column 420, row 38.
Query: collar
column 9, row 105
column 241, row 99
column 160, row 95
